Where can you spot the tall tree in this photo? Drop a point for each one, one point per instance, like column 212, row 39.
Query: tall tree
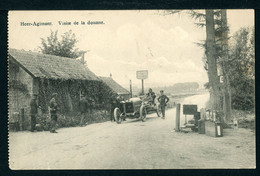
column 211, row 54
column 216, row 54
column 225, row 67
column 65, row 47
column 221, row 57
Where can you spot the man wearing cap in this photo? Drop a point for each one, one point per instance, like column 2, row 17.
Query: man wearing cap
column 83, row 106
column 53, row 111
column 33, row 111
column 151, row 94
column 91, row 103
column 112, row 107
column 163, row 100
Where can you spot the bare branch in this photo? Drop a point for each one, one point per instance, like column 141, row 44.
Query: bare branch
column 201, row 25
column 197, row 15
column 171, row 12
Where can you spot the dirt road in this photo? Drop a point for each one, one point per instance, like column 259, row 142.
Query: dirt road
column 132, row 145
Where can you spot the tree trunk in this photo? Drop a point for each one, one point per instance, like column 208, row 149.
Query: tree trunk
column 211, row 57
column 226, row 88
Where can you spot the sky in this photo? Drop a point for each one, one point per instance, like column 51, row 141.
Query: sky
column 128, row 41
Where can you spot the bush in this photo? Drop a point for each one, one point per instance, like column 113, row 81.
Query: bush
column 246, row 119
column 44, row 122
column 72, row 120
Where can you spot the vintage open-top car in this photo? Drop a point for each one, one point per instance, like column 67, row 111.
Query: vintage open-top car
column 137, row 107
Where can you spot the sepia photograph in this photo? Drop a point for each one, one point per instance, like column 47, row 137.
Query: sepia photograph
column 131, row 89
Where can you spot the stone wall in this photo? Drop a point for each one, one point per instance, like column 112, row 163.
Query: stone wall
column 20, row 86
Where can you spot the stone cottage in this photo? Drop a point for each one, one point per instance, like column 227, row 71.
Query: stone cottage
column 34, row 73
column 115, row 87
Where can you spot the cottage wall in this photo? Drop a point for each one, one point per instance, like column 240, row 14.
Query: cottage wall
column 20, row 85
column 69, row 94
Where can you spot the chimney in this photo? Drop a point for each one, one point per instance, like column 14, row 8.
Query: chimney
column 82, row 58
column 110, row 75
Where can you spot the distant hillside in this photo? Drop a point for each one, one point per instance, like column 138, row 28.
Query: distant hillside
column 179, row 87
column 176, row 88
column 189, row 86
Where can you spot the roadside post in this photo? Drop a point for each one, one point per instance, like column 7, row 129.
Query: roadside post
column 21, row 120
column 201, row 122
column 177, row 120
column 142, row 86
column 142, row 74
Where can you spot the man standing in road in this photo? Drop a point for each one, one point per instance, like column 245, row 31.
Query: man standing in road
column 34, row 111
column 163, row 100
column 83, row 106
column 53, row 111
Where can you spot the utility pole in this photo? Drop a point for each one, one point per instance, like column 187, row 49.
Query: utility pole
column 131, row 92
column 142, row 87
column 142, row 74
column 83, row 57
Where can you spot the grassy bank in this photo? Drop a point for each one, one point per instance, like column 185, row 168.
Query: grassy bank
column 245, row 119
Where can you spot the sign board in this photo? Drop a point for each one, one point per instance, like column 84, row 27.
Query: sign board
column 142, row 74
column 189, row 109
column 221, row 79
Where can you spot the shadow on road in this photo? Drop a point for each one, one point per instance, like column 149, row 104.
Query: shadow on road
column 128, row 120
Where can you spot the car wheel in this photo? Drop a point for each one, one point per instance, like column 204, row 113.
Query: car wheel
column 117, row 116
column 158, row 110
column 143, row 113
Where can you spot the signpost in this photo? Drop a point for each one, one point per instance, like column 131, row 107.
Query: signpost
column 131, row 92
column 142, row 74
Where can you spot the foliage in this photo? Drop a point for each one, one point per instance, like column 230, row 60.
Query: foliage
column 65, row 47
column 242, row 69
column 69, row 94
column 198, row 15
column 18, row 85
column 206, row 85
column 44, row 121
column 245, row 119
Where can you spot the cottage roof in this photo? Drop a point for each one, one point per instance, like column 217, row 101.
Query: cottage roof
column 114, row 85
column 50, row 66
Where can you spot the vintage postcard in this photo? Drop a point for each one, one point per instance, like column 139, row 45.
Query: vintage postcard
column 131, row 89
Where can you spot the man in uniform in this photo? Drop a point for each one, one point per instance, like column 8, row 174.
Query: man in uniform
column 151, row 94
column 34, row 111
column 163, row 100
column 53, row 111
column 91, row 103
column 83, row 106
